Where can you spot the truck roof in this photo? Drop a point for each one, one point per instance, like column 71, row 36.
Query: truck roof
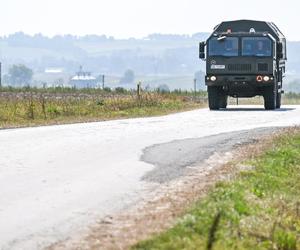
column 246, row 25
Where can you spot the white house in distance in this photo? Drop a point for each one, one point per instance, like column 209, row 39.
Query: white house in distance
column 84, row 79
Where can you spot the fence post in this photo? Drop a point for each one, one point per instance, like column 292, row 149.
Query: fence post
column 138, row 91
column 195, row 89
column 0, row 74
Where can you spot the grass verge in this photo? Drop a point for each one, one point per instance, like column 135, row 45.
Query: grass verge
column 19, row 109
column 258, row 209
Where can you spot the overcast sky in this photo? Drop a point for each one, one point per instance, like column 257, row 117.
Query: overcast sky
column 138, row 18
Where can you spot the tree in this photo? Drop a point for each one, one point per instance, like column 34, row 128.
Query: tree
column 20, row 75
column 6, row 79
column 163, row 88
column 128, row 77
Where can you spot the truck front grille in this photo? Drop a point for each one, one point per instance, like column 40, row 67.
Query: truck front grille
column 240, row 67
column 262, row 67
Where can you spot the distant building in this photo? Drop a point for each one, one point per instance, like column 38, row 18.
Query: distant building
column 83, row 79
column 53, row 70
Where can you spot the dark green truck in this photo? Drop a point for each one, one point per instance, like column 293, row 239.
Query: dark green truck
column 244, row 58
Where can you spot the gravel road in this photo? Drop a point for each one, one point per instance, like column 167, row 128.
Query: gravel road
column 58, row 180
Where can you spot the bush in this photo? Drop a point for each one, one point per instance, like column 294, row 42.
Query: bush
column 120, row 90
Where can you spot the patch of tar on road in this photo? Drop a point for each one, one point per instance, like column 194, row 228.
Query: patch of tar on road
column 172, row 159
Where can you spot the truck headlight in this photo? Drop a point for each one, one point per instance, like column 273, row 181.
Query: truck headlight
column 213, row 78
column 266, row 78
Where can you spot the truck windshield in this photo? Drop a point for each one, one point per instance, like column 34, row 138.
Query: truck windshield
column 228, row 46
column 256, row 46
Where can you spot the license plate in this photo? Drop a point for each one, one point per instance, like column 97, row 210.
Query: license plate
column 217, row 66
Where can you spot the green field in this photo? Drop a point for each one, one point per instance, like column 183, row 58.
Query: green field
column 258, row 209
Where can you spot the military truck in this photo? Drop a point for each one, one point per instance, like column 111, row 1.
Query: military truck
column 244, row 58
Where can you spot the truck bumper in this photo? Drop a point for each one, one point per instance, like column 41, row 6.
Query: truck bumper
column 240, row 85
column 237, row 80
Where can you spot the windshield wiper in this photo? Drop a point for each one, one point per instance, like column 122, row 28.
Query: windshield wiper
column 221, row 38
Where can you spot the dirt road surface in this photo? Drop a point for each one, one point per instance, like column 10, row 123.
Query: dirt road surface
column 56, row 181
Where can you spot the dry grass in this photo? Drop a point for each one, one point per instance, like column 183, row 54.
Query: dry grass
column 287, row 99
column 38, row 108
column 32, row 107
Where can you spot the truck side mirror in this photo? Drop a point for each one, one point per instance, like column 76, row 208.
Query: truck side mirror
column 202, row 50
column 279, row 51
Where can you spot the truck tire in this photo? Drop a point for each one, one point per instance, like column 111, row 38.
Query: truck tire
column 223, row 101
column 270, row 97
column 278, row 100
column 215, row 96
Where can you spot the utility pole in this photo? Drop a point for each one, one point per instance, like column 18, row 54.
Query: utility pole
column 195, row 87
column 0, row 74
column 103, row 79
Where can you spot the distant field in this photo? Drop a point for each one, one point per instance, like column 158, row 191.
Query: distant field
column 287, row 99
column 185, row 82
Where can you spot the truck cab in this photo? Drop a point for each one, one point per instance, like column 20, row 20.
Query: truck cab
column 244, row 58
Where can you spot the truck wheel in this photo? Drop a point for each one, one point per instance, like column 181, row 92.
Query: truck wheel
column 214, row 97
column 270, row 94
column 278, row 100
column 223, row 101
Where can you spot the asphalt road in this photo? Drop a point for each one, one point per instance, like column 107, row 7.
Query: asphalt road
column 57, row 180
